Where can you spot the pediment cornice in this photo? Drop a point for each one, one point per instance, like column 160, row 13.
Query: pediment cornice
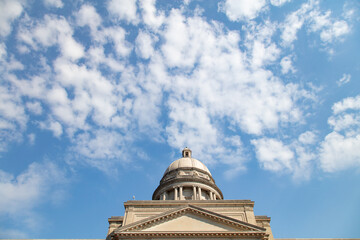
column 247, row 235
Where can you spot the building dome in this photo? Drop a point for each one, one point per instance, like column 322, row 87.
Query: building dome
column 187, row 179
column 187, row 162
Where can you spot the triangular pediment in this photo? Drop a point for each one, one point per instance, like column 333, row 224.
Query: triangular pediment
column 190, row 219
column 190, row 222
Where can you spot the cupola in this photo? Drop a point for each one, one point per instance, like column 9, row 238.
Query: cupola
column 186, row 153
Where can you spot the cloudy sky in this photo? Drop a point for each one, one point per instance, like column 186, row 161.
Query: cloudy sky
column 97, row 98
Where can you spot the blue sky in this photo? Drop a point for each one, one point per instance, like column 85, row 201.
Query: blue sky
column 97, row 98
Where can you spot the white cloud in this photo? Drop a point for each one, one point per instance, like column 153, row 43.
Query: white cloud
column 307, row 137
column 349, row 11
column 34, row 107
column 340, row 152
column 34, row 87
column 279, row 3
column 329, row 28
column 146, row 109
column 87, row 15
column 145, row 44
column 102, row 149
column 71, row 48
column 238, row 10
column 262, row 54
column 54, row 3
column 336, row 30
column 80, row 95
column 93, row 94
column 117, row 36
column 96, row 57
column 13, row 118
column 344, row 79
column 347, row 104
column 273, row 155
column 344, row 121
column 295, row 158
column 21, row 194
column 315, row 20
column 9, row 11
column 123, row 10
column 292, row 26
column 177, row 38
column 88, row 145
column 286, row 65
column 192, row 126
column 150, row 15
column 294, row 22
column 258, row 41
column 53, row 126
column 3, row 52
column 51, row 31
column 11, row 108
column 341, row 148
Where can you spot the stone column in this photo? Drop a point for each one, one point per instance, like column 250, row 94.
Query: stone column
column 163, row 196
column 175, row 193
column 211, row 195
column 194, row 193
column 181, row 193
column 199, row 190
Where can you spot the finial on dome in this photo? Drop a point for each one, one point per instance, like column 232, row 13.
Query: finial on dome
column 186, row 152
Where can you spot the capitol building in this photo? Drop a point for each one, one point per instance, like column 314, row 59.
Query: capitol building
column 188, row 204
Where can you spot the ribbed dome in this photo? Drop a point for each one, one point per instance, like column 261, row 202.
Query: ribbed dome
column 187, row 162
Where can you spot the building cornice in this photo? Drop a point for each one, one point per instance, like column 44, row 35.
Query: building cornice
column 163, row 203
column 251, row 235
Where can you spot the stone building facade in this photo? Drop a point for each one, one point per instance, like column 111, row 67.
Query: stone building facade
column 188, row 204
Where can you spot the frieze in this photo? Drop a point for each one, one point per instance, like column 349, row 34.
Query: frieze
column 248, row 208
column 204, row 176
column 225, row 209
column 150, row 209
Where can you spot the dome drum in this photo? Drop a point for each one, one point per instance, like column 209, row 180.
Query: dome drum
column 187, row 191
